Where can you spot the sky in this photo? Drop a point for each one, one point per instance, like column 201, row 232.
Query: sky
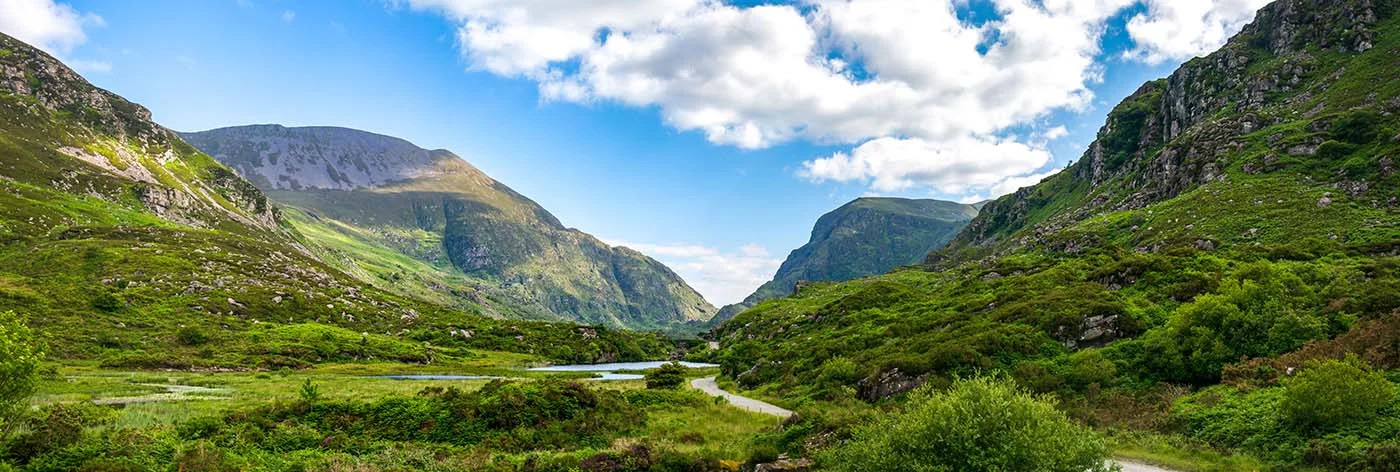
column 710, row 135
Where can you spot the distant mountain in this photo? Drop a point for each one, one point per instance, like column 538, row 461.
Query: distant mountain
column 426, row 223
column 865, row 237
column 128, row 247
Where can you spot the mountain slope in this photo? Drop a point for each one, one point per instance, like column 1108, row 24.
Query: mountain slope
column 1242, row 208
column 864, row 237
column 127, row 246
column 470, row 238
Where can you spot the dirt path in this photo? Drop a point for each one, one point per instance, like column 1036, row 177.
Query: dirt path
column 709, row 386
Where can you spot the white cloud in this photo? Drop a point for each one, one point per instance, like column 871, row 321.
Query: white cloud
column 883, row 75
column 1054, row 133
column 54, row 27
column 1182, row 29
column 288, row 16
column 954, row 166
column 722, row 277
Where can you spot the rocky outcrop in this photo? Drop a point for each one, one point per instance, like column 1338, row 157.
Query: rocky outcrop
column 1176, row 134
column 116, row 138
column 319, row 157
column 887, row 383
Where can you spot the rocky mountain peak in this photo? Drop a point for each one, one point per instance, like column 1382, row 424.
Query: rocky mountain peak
column 276, row 157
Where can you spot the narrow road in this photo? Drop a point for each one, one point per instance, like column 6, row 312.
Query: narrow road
column 1136, row 467
column 709, row 386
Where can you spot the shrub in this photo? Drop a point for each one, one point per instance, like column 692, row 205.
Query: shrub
column 20, row 354
column 840, row 371
column 980, row 424
column 191, row 336
column 1357, row 126
column 309, row 393
column 59, row 425
column 669, row 376
column 1335, row 392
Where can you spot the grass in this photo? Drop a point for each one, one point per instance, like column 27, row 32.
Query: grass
column 687, row 422
column 1177, row 453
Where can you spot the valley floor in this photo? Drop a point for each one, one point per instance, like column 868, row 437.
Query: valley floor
column 251, row 420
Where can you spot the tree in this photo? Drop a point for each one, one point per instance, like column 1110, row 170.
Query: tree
column 1335, row 392
column 979, row 424
column 669, row 376
column 20, row 354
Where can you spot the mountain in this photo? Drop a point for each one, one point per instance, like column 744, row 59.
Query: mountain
column 1231, row 224
column 427, row 224
column 128, row 247
column 864, row 237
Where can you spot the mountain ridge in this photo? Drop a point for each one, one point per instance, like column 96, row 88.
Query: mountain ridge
column 504, row 250
column 866, row 236
column 1233, row 212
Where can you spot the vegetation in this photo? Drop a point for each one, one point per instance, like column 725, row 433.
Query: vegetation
column 1193, row 285
column 668, row 376
column 1333, row 393
column 979, row 424
column 270, row 422
column 20, row 355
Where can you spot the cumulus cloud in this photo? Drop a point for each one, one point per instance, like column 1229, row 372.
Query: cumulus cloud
column 722, row 277
column 953, row 166
column 54, row 27
column 288, row 16
column 1182, row 29
column 925, row 96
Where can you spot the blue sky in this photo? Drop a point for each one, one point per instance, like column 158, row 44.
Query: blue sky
column 719, row 187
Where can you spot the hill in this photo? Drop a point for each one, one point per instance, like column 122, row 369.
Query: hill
column 1232, row 223
column 426, row 223
column 130, row 248
column 867, row 236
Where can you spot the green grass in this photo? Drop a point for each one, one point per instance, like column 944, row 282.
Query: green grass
column 686, row 422
column 1178, row 453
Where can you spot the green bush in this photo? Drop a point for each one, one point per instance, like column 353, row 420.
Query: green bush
column 1332, row 393
column 1357, row 126
column 20, row 354
column 980, row 424
column 191, row 336
column 1330, row 149
column 668, row 376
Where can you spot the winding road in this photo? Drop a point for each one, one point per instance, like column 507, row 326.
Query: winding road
column 709, row 386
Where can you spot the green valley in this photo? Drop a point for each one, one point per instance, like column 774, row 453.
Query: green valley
column 1213, row 285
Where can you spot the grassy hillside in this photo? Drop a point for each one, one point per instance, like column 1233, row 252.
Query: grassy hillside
column 127, row 246
column 487, row 245
column 1233, row 224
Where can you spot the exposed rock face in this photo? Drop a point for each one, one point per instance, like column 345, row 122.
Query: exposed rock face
column 865, row 237
column 1178, row 133
column 518, row 256
column 279, row 158
column 121, row 150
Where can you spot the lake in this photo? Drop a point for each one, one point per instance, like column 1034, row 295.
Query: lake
column 605, row 371
column 609, row 371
